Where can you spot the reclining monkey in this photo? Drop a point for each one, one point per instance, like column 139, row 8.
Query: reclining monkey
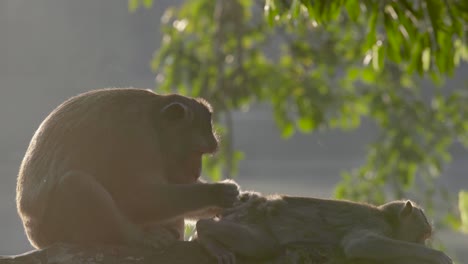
column 107, row 165
column 259, row 227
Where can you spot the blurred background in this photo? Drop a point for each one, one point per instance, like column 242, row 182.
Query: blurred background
column 53, row 49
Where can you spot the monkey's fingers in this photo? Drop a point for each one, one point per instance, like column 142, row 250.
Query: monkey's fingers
column 226, row 194
column 232, row 189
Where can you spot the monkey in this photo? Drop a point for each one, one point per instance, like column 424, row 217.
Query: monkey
column 118, row 166
column 261, row 226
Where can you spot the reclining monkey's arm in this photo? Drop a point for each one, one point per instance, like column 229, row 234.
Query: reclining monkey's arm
column 366, row 244
column 217, row 237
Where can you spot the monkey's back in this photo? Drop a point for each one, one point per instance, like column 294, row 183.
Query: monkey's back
column 81, row 134
column 301, row 219
column 332, row 216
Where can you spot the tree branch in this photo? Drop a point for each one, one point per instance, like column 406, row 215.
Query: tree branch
column 179, row 253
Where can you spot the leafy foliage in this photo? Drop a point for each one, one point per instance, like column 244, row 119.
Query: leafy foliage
column 326, row 65
column 421, row 35
column 133, row 5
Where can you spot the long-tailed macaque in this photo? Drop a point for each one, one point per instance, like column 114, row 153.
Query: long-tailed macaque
column 260, row 227
column 118, row 166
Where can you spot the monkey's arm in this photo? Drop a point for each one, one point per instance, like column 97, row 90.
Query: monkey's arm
column 207, row 212
column 163, row 202
column 366, row 244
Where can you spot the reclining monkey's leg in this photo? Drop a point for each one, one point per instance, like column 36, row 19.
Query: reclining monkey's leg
column 216, row 250
column 241, row 239
column 365, row 244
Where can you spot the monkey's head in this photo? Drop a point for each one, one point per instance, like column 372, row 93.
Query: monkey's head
column 408, row 220
column 185, row 133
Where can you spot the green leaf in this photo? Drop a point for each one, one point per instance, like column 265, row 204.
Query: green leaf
column 441, row 58
column 353, row 74
column 371, row 33
column 212, row 167
column 416, row 52
column 434, row 9
column 353, row 8
column 461, row 51
column 147, row 3
column 453, row 221
column 270, row 11
column 189, row 231
column 378, row 56
column 369, row 76
column 133, row 5
column 295, row 8
column 463, row 207
column 287, row 130
column 306, row 124
column 426, row 59
column 315, row 10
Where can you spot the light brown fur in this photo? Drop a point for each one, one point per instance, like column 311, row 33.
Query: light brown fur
column 108, row 163
column 260, row 227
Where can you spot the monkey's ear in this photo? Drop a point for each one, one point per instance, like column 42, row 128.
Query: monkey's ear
column 175, row 111
column 407, row 209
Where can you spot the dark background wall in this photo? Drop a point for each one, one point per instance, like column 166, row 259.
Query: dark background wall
column 53, row 49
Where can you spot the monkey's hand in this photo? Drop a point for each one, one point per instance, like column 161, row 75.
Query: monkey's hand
column 225, row 193
column 247, row 199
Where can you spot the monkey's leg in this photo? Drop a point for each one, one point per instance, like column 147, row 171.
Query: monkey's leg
column 217, row 250
column 82, row 211
column 241, row 239
column 366, row 244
